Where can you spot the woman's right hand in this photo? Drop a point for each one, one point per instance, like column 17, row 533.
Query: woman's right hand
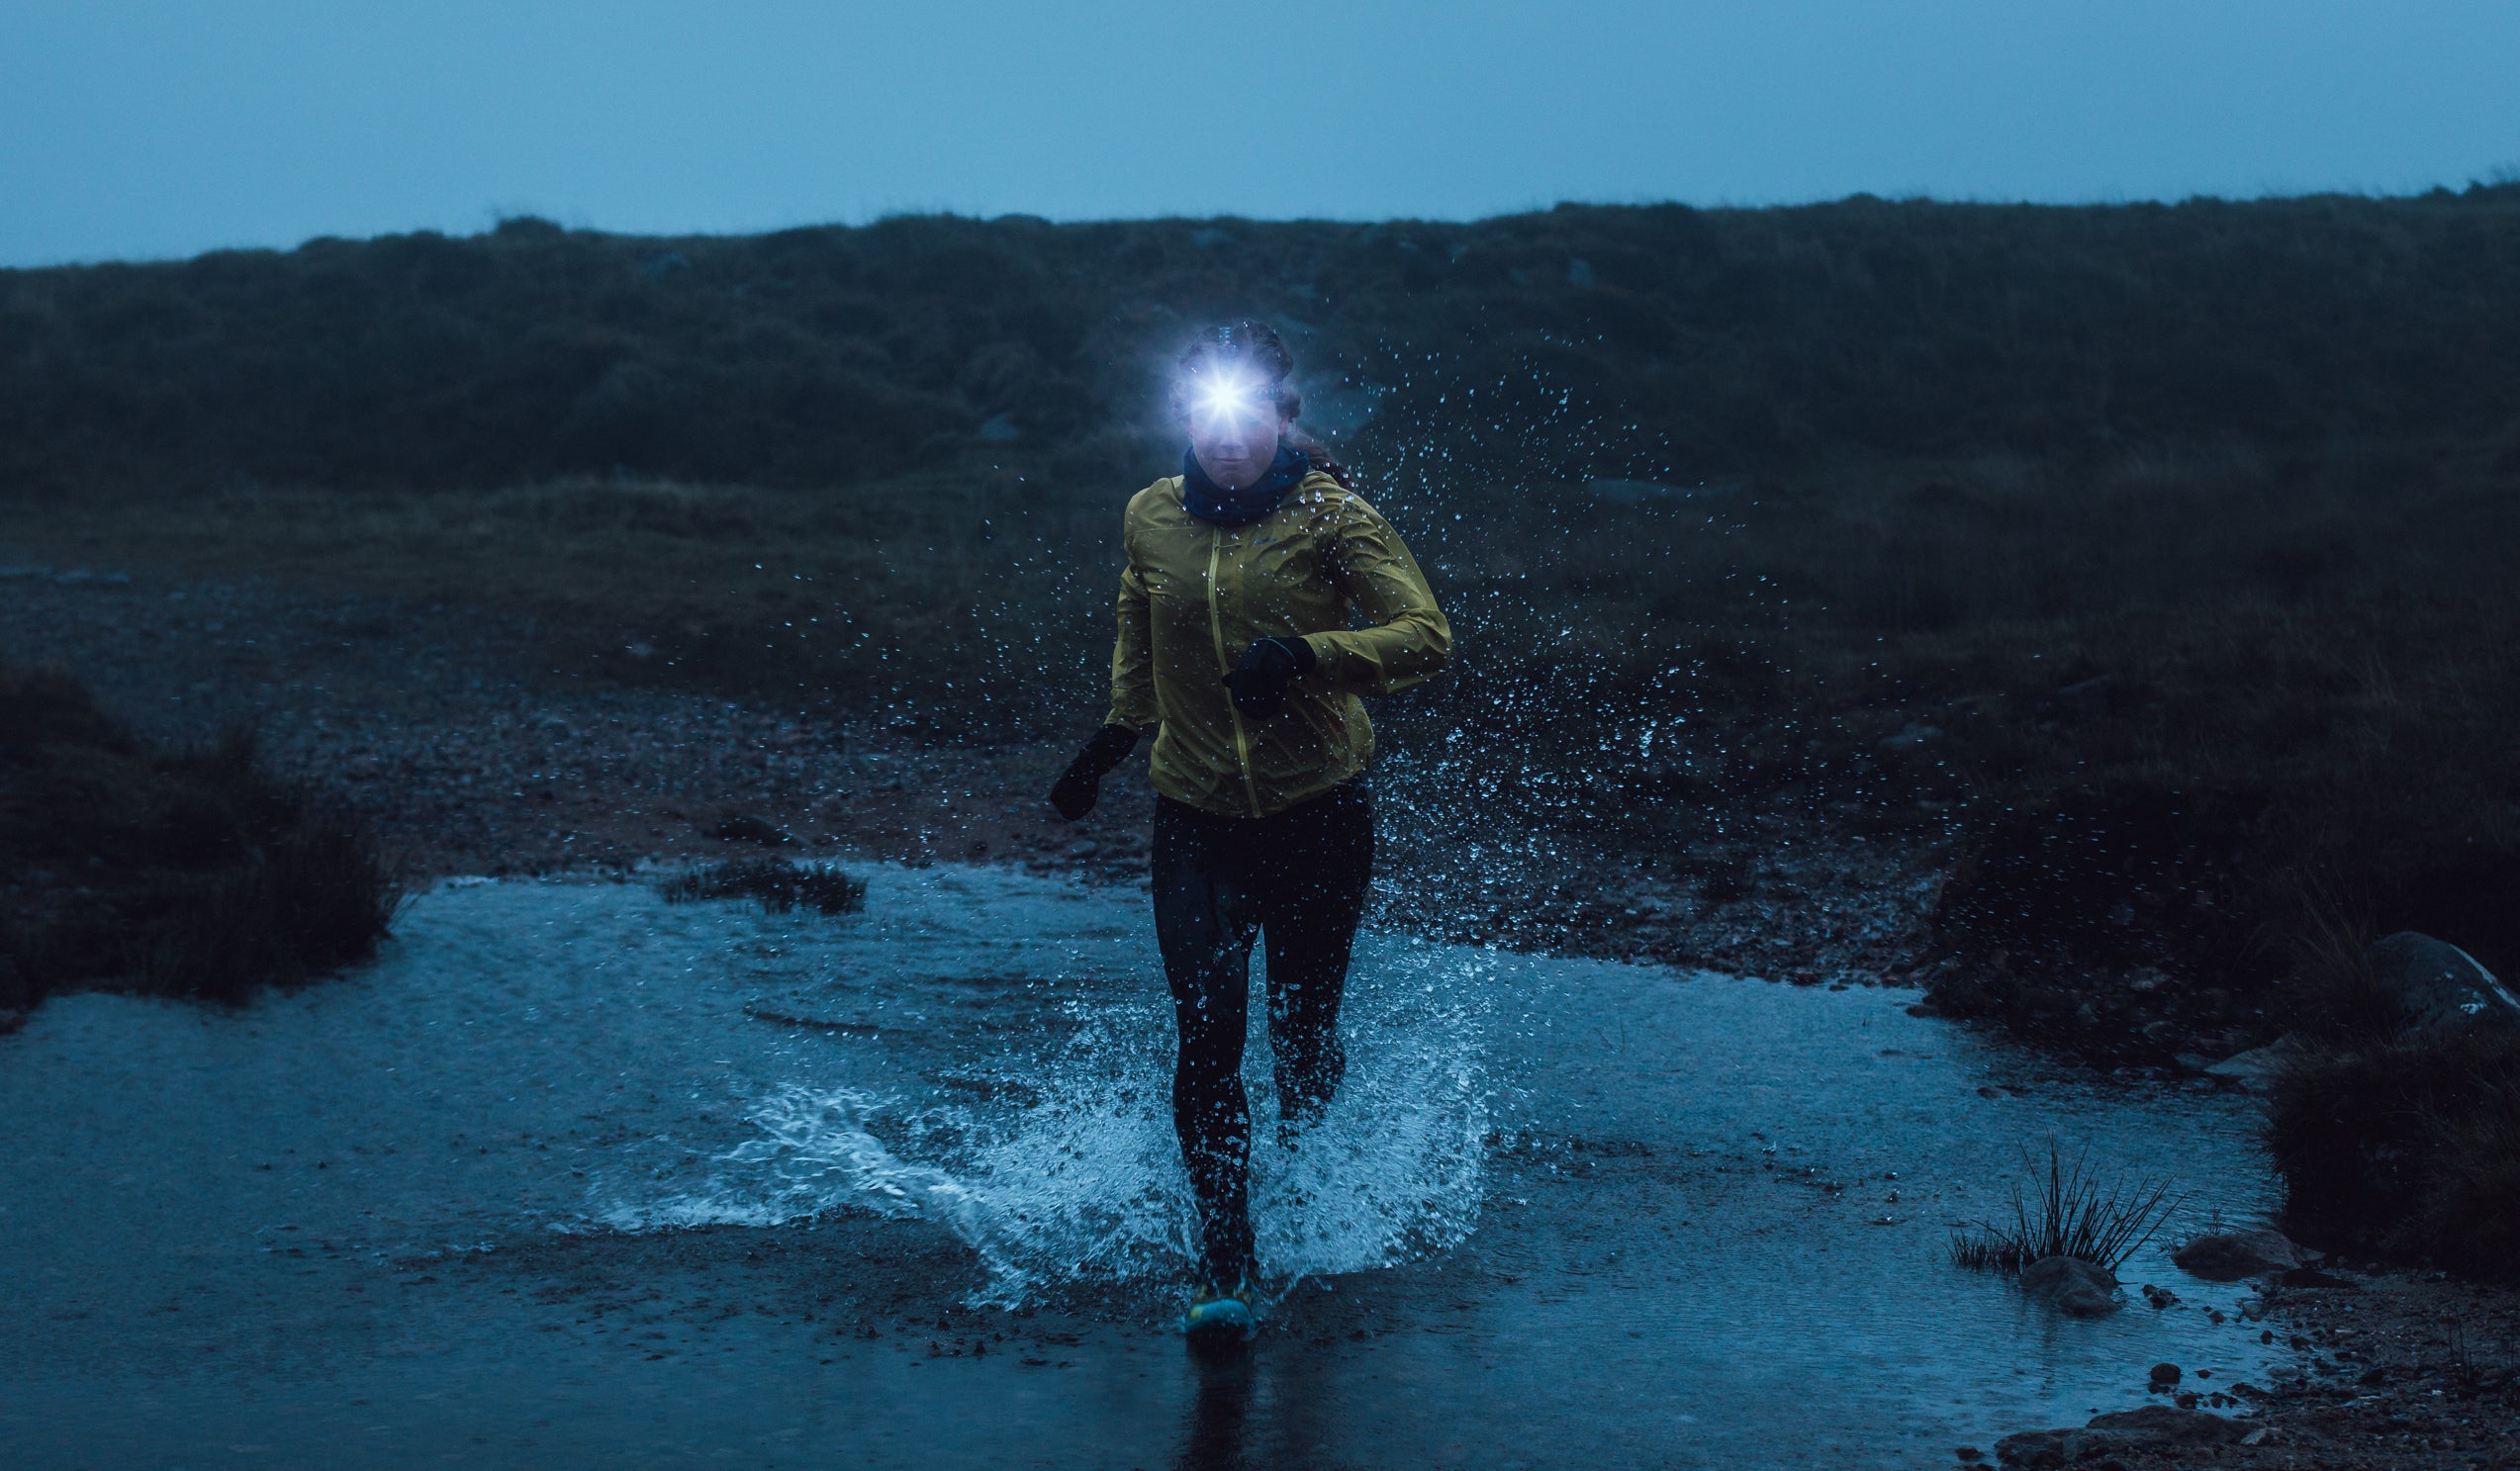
column 1075, row 793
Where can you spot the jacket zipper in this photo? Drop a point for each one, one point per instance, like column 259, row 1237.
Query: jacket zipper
column 1216, row 628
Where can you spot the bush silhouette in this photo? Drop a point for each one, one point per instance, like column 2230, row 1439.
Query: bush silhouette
column 188, row 873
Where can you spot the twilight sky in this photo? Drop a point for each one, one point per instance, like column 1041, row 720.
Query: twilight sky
column 136, row 129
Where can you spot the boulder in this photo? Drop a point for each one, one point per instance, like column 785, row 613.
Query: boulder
column 2438, row 985
column 2152, row 1428
column 2073, row 1285
column 2229, row 1256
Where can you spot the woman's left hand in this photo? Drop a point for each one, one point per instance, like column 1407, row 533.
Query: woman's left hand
column 1259, row 682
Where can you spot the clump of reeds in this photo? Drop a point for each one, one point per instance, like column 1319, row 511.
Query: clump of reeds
column 2067, row 1211
column 780, row 886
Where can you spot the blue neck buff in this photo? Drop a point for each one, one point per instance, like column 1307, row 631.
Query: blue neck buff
column 1210, row 502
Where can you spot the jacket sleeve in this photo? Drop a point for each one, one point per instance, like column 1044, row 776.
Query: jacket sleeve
column 1133, row 658
column 1410, row 641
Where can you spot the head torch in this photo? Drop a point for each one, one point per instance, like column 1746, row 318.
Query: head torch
column 1233, row 394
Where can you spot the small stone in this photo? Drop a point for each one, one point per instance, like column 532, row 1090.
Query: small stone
column 2229, row 1256
column 2258, row 1069
column 2152, row 1428
column 2168, row 1427
column 2072, row 1285
column 2165, row 1375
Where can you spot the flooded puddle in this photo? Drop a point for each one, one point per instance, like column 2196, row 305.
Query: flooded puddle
column 1563, row 1210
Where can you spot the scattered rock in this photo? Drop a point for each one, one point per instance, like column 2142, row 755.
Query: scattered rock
column 2164, row 1376
column 743, row 827
column 2073, row 1285
column 2153, row 1427
column 2256, row 1068
column 2171, row 1426
column 2159, row 1297
column 2438, row 985
column 2230, row 1257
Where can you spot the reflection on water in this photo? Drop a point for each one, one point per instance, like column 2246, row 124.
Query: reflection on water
column 1563, row 1210
column 1213, row 1434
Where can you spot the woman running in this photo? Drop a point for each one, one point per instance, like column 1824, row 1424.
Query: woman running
column 1235, row 647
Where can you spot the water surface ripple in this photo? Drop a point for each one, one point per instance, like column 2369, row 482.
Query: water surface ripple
column 1563, row 1210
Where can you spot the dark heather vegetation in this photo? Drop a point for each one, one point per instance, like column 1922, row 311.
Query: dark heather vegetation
column 187, row 874
column 2157, row 558
column 780, row 886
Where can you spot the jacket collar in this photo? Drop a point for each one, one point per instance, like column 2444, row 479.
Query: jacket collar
column 1210, row 502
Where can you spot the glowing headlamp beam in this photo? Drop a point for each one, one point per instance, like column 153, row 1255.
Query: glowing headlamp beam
column 1238, row 397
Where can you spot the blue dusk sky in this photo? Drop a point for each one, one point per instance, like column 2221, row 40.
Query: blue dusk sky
column 133, row 129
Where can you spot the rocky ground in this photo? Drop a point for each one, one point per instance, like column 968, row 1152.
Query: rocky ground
column 2401, row 1370
column 475, row 756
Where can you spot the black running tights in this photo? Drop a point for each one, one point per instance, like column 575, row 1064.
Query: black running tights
column 1298, row 878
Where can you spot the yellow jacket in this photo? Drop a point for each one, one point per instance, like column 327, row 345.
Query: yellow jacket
column 1195, row 594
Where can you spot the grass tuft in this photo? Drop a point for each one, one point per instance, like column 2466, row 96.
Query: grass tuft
column 2066, row 1210
column 780, row 886
column 195, row 874
column 2409, row 1145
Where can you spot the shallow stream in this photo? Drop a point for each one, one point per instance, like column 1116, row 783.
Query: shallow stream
column 574, row 1176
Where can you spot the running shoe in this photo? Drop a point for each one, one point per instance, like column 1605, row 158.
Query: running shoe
column 1216, row 1316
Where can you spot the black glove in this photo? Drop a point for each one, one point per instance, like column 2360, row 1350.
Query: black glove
column 1077, row 789
column 1259, row 682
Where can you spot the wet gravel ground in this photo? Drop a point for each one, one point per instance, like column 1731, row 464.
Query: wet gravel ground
column 2402, row 1370
column 475, row 757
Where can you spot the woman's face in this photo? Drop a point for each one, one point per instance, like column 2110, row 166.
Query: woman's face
column 1235, row 433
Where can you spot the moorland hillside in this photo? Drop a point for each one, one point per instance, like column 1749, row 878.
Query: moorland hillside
column 2158, row 555
column 1651, row 342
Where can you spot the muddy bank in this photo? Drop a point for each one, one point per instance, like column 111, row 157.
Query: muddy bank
column 476, row 756
column 2387, row 1369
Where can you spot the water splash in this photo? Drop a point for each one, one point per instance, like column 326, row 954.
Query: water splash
column 1065, row 1173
